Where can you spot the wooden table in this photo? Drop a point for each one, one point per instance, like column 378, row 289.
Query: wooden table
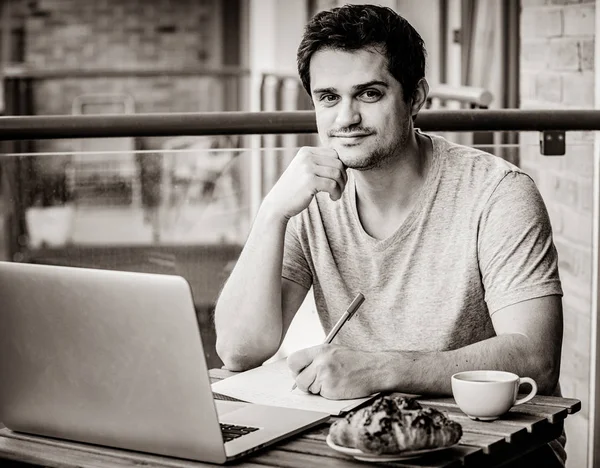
column 485, row 444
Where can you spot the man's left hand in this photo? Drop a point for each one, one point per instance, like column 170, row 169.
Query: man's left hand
column 335, row 372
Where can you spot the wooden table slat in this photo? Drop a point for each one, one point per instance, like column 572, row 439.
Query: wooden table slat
column 321, row 449
column 318, row 446
column 282, row 458
column 511, row 452
column 449, row 459
column 462, row 455
column 112, row 455
column 509, row 433
column 552, row 413
column 471, row 456
column 531, row 422
column 488, row 443
column 517, row 420
column 570, row 404
column 60, row 456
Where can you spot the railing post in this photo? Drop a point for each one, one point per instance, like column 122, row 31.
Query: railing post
column 17, row 93
column 594, row 404
column 271, row 87
column 256, row 161
column 594, row 386
column 289, row 101
column 593, row 446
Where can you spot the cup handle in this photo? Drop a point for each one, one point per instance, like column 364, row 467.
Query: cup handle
column 533, row 392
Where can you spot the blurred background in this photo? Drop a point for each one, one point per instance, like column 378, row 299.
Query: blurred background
column 184, row 204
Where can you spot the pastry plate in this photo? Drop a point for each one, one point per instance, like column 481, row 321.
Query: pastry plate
column 385, row 457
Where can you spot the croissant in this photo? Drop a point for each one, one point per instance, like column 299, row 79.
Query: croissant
column 393, row 424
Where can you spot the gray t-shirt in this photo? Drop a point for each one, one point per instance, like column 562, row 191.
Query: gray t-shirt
column 478, row 239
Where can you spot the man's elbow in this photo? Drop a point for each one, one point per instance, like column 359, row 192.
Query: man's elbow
column 541, row 363
column 236, row 363
column 546, row 374
column 237, row 360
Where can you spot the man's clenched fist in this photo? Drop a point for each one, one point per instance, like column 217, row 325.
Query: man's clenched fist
column 312, row 170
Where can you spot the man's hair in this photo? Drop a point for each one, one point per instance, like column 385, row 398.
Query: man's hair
column 354, row 27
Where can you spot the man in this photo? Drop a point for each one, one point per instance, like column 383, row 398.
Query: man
column 451, row 247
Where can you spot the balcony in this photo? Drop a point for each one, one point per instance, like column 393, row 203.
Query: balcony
column 186, row 207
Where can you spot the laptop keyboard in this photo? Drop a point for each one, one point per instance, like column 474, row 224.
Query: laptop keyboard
column 220, row 396
column 231, row 431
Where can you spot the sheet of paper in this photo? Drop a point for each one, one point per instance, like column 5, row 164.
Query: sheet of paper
column 271, row 384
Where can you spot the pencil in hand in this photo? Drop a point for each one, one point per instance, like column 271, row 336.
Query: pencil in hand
column 350, row 311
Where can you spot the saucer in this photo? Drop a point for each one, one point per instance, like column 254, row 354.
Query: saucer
column 384, row 457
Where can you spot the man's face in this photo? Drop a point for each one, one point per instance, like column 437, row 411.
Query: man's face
column 359, row 106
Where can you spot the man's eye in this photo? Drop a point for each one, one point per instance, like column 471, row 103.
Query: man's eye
column 371, row 95
column 328, row 98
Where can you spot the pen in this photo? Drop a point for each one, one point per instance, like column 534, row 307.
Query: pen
column 350, row 311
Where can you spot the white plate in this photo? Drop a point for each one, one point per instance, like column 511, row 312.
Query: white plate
column 385, row 457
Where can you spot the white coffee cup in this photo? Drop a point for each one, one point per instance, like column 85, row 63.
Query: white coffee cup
column 486, row 394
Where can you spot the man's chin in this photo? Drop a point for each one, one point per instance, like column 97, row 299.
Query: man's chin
column 352, row 156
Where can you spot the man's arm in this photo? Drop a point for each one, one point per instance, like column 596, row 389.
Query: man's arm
column 256, row 305
column 528, row 343
column 250, row 317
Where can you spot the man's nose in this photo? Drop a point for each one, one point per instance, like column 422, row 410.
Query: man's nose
column 348, row 114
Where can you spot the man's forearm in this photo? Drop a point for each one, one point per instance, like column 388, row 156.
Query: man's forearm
column 248, row 316
column 430, row 372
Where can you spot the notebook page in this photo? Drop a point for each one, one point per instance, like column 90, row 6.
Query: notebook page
column 271, row 384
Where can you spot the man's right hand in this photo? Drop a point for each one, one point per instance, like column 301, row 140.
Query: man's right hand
column 312, row 170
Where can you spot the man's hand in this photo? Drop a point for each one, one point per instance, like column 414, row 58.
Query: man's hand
column 335, row 372
column 312, row 170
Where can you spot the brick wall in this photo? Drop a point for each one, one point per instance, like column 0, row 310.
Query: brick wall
column 557, row 71
column 116, row 35
column 119, row 33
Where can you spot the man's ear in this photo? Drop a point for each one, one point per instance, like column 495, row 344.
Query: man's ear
column 419, row 97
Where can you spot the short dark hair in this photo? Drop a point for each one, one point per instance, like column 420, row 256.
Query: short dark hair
column 354, row 27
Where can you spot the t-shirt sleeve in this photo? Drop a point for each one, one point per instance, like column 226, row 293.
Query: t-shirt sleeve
column 517, row 256
column 295, row 265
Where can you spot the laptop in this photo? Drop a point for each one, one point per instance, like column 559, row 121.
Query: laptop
column 116, row 359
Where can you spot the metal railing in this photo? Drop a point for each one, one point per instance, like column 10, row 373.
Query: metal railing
column 23, row 71
column 279, row 122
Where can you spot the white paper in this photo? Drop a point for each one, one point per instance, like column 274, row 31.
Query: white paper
column 271, row 384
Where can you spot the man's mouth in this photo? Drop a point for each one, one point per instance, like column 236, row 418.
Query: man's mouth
column 351, row 138
column 350, row 135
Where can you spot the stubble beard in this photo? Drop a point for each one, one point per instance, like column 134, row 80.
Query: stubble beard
column 381, row 157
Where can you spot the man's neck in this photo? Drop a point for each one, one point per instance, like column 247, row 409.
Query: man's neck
column 393, row 189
